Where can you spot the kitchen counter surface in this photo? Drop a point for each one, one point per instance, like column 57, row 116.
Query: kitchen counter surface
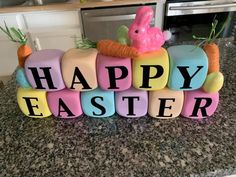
column 118, row 146
column 73, row 5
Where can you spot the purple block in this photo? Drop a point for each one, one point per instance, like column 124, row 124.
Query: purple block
column 113, row 73
column 64, row 103
column 43, row 70
column 134, row 106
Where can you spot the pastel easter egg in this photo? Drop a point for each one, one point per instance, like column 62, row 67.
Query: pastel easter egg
column 21, row 78
column 214, row 82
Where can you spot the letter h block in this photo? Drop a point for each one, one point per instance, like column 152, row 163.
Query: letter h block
column 188, row 67
column 43, row 70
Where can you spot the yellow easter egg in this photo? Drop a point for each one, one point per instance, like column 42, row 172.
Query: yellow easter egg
column 214, row 82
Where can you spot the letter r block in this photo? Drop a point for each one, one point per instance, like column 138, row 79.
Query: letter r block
column 188, row 67
column 199, row 104
column 151, row 70
column 98, row 103
column 33, row 103
column 165, row 103
column 131, row 102
column 64, row 103
column 43, row 70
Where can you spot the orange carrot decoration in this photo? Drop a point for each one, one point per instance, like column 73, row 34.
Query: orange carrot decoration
column 16, row 35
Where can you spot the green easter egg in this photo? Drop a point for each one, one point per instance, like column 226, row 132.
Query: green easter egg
column 214, row 82
column 122, row 35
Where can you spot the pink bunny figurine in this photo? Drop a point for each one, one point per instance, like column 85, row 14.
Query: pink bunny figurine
column 142, row 36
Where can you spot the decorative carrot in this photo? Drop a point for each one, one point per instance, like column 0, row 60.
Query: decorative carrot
column 16, row 35
column 109, row 48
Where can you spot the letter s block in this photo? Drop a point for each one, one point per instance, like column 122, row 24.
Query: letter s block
column 43, row 70
column 64, row 103
column 33, row 103
column 131, row 102
column 165, row 103
column 98, row 103
column 199, row 104
column 151, row 70
column 114, row 74
column 188, row 67
column 79, row 69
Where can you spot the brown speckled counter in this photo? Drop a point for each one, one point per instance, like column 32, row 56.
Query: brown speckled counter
column 121, row 147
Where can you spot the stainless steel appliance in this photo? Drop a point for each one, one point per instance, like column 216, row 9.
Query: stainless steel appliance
column 102, row 23
column 185, row 18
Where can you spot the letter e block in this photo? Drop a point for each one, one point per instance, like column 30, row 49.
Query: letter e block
column 33, row 103
column 165, row 103
column 131, row 102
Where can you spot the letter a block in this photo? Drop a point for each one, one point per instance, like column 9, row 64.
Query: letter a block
column 98, row 103
column 114, row 74
column 165, row 103
column 199, row 104
column 79, row 69
column 131, row 102
column 151, row 70
column 65, row 103
column 43, row 70
column 33, row 103
column 188, row 67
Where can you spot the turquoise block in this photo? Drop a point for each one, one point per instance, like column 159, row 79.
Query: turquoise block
column 21, row 78
column 98, row 103
column 188, row 67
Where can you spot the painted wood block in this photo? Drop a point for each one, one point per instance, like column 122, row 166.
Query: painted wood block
column 114, row 74
column 33, row 103
column 151, row 70
column 188, row 67
column 131, row 102
column 199, row 104
column 214, row 82
column 43, row 70
column 165, row 103
column 79, row 69
column 98, row 103
column 64, row 103
column 21, row 78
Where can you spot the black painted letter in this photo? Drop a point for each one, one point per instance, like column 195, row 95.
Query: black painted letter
column 163, row 107
column 65, row 108
column 81, row 78
column 94, row 103
column 30, row 106
column 130, row 104
column 203, row 108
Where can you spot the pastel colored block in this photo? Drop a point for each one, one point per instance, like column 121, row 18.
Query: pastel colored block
column 131, row 102
column 114, row 74
column 79, row 69
column 199, row 104
column 21, row 79
column 64, row 103
column 151, row 70
column 33, row 103
column 165, row 103
column 188, row 67
column 98, row 103
column 43, row 70
column 214, row 82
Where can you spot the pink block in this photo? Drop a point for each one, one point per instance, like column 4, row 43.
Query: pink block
column 67, row 100
column 199, row 104
column 113, row 73
column 135, row 106
column 43, row 70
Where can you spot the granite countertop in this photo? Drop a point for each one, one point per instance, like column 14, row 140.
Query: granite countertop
column 118, row 146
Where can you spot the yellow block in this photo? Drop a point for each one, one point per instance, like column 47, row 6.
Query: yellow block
column 152, row 67
column 33, row 103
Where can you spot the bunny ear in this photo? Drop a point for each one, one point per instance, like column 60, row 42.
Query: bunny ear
column 144, row 16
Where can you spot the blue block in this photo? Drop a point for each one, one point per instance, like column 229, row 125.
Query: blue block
column 187, row 59
column 21, row 78
column 98, row 103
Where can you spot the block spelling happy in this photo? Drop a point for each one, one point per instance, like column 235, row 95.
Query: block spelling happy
column 199, row 104
column 188, row 67
column 165, row 103
column 33, row 103
column 98, row 103
column 151, row 70
column 131, row 102
column 64, row 103
column 43, row 70
column 79, row 69
column 113, row 73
